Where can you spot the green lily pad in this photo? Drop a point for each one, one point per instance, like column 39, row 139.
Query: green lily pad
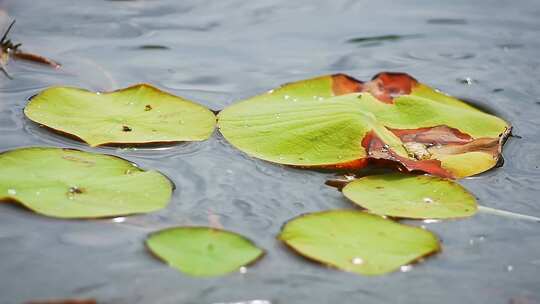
column 202, row 251
column 409, row 196
column 339, row 122
column 68, row 183
column 357, row 241
column 136, row 115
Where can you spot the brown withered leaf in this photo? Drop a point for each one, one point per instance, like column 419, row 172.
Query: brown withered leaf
column 338, row 122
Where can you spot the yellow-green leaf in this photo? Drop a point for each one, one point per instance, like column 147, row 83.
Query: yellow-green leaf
column 410, row 196
column 357, row 241
column 140, row 114
column 202, row 251
column 67, row 183
column 339, row 122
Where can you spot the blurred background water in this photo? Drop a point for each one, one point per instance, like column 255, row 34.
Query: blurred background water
column 217, row 52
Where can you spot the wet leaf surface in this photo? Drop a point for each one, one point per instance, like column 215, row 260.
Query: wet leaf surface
column 339, row 122
column 136, row 115
column 67, row 183
column 357, row 241
column 410, row 196
column 202, row 251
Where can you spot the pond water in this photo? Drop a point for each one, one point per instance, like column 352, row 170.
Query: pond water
column 217, row 52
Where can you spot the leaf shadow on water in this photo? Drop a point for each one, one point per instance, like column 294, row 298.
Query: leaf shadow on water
column 152, row 47
column 447, row 21
column 378, row 40
column 150, row 151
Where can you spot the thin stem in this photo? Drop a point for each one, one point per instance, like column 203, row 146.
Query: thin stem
column 508, row 214
column 7, row 32
column 4, row 70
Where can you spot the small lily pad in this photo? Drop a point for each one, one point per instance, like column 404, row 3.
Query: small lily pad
column 136, row 115
column 410, row 196
column 67, row 183
column 202, row 251
column 357, row 241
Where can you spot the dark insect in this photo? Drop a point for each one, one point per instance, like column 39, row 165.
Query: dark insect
column 9, row 49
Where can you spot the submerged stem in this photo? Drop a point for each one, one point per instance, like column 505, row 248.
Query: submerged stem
column 508, row 214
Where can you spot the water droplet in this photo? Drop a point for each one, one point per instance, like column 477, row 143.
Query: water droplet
column 120, row 219
column 405, row 268
column 12, row 191
column 357, row 261
column 428, row 200
column 349, row 177
column 466, row 81
column 477, row 239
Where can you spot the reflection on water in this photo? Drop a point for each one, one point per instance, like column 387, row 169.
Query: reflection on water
column 217, row 52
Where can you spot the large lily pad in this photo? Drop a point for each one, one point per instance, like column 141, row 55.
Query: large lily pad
column 68, row 183
column 140, row 114
column 357, row 241
column 409, row 196
column 202, row 251
column 339, row 122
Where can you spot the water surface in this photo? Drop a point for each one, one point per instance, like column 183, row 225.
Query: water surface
column 217, row 52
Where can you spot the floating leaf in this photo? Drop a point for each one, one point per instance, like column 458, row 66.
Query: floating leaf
column 140, row 114
column 411, row 196
column 339, row 122
column 68, row 183
column 357, row 241
column 202, row 251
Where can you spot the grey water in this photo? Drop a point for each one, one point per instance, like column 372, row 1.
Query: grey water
column 218, row 52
